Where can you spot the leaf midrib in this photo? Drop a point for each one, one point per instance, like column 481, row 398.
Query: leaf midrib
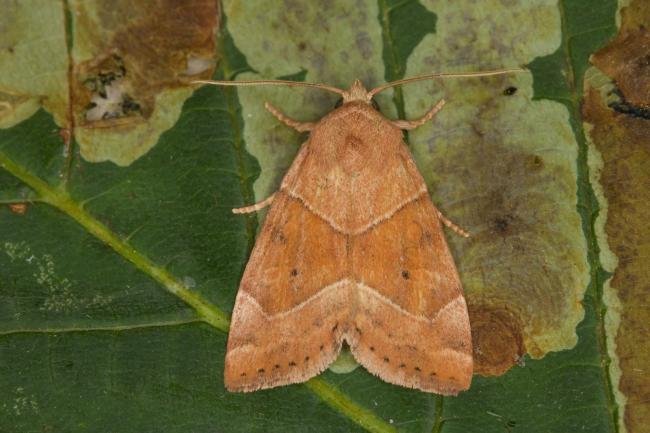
column 589, row 209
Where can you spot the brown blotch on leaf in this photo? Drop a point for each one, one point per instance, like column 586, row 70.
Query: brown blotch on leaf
column 139, row 51
column 509, row 91
column 624, row 145
column 18, row 208
column 497, row 339
column 627, row 61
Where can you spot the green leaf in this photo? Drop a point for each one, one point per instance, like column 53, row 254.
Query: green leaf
column 117, row 279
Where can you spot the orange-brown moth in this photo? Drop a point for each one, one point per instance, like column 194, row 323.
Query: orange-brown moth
column 351, row 250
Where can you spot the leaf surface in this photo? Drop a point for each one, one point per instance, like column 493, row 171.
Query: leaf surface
column 117, row 277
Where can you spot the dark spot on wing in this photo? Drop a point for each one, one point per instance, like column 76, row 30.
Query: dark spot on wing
column 277, row 235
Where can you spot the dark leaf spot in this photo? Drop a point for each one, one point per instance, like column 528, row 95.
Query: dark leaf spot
column 502, row 223
column 624, row 107
column 509, row 91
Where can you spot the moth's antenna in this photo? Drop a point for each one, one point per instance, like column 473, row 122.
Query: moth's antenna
column 271, row 83
column 444, row 75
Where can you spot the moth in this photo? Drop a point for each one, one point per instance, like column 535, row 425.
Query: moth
column 352, row 250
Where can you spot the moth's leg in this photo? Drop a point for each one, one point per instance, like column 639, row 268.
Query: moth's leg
column 451, row 225
column 412, row 124
column 298, row 126
column 254, row 207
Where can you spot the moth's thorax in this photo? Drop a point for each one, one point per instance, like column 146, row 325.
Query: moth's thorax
column 354, row 148
column 354, row 136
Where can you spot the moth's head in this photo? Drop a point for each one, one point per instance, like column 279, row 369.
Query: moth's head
column 357, row 92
